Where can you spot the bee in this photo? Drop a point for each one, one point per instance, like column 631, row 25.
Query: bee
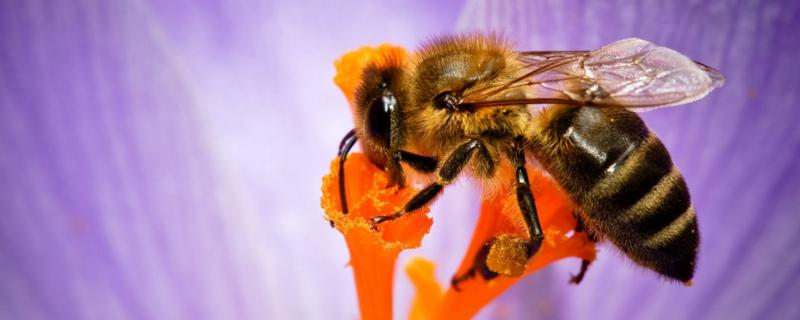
column 469, row 103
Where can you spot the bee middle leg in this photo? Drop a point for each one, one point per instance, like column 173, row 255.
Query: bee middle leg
column 451, row 167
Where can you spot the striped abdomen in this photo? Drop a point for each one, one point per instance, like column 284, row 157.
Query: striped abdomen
column 623, row 179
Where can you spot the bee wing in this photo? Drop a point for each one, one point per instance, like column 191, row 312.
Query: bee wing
column 631, row 73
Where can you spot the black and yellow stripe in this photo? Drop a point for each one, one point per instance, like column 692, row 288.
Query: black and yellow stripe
column 624, row 180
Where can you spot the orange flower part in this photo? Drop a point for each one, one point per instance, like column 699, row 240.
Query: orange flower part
column 373, row 253
column 500, row 217
column 429, row 293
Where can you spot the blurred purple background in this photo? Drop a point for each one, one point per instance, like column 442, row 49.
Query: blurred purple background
column 163, row 159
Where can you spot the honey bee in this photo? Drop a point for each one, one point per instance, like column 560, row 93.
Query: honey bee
column 468, row 103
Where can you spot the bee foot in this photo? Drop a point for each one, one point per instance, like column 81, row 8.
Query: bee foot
column 534, row 245
column 376, row 220
column 577, row 278
column 457, row 279
column 373, row 224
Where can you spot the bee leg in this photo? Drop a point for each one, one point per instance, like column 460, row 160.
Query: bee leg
column 418, row 162
column 577, row 278
column 526, row 204
column 345, row 145
column 458, row 279
column 396, row 175
column 347, row 137
column 581, row 227
column 450, row 169
column 478, row 267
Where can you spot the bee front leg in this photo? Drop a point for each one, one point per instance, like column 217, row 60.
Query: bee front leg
column 451, row 167
column 417, row 162
column 345, row 146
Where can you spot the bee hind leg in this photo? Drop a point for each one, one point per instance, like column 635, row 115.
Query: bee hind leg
column 526, row 203
column 479, row 267
column 527, row 206
column 451, row 167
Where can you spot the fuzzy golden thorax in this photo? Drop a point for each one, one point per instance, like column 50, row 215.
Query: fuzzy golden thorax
column 464, row 67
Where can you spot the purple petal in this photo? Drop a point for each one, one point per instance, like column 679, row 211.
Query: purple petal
column 163, row 160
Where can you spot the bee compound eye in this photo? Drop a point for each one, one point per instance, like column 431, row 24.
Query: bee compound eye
column 378, row 120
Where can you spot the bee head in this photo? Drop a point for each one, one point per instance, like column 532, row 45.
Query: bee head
column 379, row 101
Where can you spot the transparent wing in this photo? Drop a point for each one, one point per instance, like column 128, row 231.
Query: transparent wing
column 631, row 73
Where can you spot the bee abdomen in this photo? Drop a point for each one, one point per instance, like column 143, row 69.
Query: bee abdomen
column 646, row 211
column 623, row 179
